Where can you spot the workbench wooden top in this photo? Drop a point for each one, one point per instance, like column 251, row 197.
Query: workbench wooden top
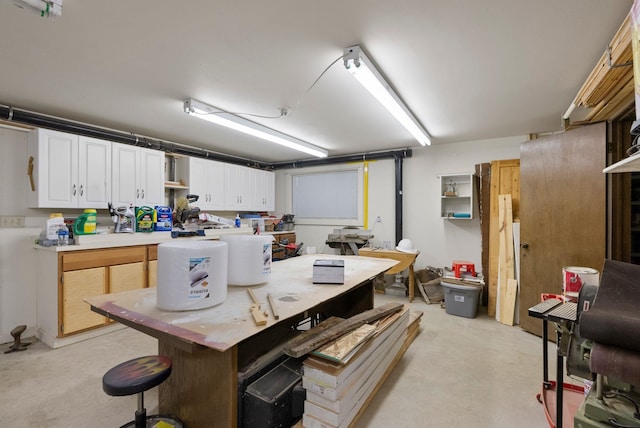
column 225, row 325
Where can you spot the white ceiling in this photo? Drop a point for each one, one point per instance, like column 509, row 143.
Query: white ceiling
column 470, row 70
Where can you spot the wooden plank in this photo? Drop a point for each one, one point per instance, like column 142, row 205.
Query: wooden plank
column 343, row 327
column 621, row 52
column 259, row 316
column 510, row 302
column 506, row 270
column 342, row 348
column 274, row 308
column 505, row 179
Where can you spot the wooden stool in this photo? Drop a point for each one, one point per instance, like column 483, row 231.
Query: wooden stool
column 136, row 376
column 460, row 265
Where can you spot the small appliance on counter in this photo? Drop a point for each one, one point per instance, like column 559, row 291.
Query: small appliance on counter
column 124, row 218
column 86, row 223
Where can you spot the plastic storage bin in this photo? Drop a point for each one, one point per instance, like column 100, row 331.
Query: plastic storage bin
column 461, row 300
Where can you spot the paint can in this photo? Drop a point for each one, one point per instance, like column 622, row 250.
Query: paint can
column 574, row 277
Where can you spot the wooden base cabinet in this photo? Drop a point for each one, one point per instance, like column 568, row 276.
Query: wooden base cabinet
column 66, row 278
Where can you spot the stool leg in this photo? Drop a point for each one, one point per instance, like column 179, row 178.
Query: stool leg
column 141, row 412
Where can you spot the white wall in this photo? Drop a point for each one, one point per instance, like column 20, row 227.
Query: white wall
column 439, row 241
column 17, row 257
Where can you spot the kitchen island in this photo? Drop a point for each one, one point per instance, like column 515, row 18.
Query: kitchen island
column 209, row 346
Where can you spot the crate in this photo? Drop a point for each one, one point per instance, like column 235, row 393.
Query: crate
column 461, row 300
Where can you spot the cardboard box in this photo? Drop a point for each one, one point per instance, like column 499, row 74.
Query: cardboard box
column 328, row 271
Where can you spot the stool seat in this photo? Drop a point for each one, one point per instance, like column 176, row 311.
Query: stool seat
column 136, row 375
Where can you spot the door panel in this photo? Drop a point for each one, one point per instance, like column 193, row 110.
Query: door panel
column 562, row 211
column 77, row 285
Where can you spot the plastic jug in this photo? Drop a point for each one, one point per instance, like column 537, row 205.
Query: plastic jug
column 55, row 222
column 85, row 224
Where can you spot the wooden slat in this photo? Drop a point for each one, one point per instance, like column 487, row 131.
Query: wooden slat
column 505, row 267
column 594, row 88
column 505, row 179
column 509, row 304
column 315, row 341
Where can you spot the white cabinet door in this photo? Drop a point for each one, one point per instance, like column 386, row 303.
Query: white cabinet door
column 238, row 185
column 69, row 171
column 263, row 190
column 138, row 176
column 215, row 185
column 123, row 178
column 206, row 179
column 55, row 169
column 94, row 172
column 151, row 177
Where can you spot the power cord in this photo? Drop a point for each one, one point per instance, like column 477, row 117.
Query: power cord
column 285, row 111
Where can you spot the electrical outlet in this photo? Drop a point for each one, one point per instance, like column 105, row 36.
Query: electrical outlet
column 378, row 219
column 12, row 221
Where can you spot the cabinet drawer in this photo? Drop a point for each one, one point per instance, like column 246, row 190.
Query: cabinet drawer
column 106, row 257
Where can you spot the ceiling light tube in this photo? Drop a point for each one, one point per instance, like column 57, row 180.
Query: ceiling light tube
column 220, row 117
column 363, row 69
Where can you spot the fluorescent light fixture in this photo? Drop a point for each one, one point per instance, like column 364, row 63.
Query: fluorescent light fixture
column 363, row 69
column 220, row 117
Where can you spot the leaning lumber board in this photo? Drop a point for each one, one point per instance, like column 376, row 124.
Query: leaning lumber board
column 505, row 268
column 316, row 340
column 510, row 302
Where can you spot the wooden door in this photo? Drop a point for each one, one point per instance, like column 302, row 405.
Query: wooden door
column 562, row 211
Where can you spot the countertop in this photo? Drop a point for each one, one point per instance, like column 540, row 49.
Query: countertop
column 110, row 240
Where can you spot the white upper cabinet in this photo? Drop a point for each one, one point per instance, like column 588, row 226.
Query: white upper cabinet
column 238, row 187
column 263, row 190
column 137, row 176
column 456, row 196
column 206, row 179
column 69, row 171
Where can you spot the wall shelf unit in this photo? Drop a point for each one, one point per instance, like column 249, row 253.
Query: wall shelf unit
column 456, row 196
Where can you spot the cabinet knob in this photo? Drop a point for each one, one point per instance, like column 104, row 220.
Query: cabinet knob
column 81, row 190
column 74, row 190
column 142, row 193
column 524, row 245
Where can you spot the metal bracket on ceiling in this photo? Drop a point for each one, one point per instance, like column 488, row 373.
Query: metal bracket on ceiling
column 611, row 65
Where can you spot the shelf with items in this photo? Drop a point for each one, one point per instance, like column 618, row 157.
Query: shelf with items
column 174, row 184
column 456, row 196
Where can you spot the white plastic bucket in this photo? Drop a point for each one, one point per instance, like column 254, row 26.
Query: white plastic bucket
column 574, row 277
column 191, row 274
column 249, row 258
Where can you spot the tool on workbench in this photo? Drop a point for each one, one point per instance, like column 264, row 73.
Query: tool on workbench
column 184, row 211
column 274, row 308
column 259, row 316
column 183, row 233
column 123, row 217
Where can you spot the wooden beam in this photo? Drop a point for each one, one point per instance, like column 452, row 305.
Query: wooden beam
column 314, row 339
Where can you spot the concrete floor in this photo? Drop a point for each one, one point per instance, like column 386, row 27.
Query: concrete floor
column 459, row 372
